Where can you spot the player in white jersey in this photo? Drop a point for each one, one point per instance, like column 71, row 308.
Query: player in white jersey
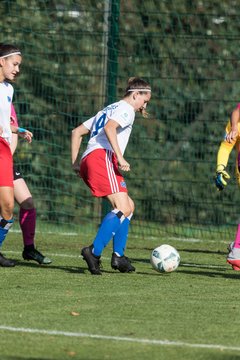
column 10, row 60
column 121, row 112
column 100, row 167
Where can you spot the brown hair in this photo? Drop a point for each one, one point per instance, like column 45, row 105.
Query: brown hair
column 140, row 85
column 8, row 49
column 136, row 83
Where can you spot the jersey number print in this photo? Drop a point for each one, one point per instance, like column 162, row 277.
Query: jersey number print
column 99, row 124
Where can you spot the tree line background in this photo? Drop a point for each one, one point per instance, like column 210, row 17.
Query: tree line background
column 187, row 50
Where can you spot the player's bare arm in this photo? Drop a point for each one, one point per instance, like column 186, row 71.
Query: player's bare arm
column 231, row 137
column 111, row 132
column 14, row 143
column 77, row 136
column 23, row 133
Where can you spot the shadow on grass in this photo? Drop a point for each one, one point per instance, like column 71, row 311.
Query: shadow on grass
column 183, row 269
column 201, row 251
column 221, row 273
column 225, row 357
column 69, row 269
column 23, row 358
column 209, row 270
column 234, row 276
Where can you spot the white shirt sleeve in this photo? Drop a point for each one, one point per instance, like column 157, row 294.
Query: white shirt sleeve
column 88, row 123
column 123, row 114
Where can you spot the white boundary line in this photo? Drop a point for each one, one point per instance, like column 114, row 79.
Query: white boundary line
column 48, row 254
column 171, row 238
column 119, row 338
column 47, row 232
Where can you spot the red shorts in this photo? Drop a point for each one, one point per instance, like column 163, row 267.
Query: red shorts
column 99, row 170
column 6, row 164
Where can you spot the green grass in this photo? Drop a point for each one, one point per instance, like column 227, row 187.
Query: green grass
column 197, row 304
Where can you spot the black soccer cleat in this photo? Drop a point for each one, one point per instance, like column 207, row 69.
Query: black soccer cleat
column 92, row 260
column 121, row 263
column 4, row 262
column 35, row 255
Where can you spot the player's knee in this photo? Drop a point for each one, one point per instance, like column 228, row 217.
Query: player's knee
column 127, row 211
column 132, row 205
column 27, row 204
column 7, row 210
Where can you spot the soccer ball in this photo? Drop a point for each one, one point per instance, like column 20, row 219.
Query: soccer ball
column 165, row 258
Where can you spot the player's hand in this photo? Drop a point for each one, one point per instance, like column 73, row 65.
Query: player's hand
column 76, row 168
column 221, row 177
column 124, row 165
column 231, row 137
column 25, row 134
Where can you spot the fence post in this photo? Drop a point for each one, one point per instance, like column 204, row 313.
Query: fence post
column 112, row 66
column 112, row 54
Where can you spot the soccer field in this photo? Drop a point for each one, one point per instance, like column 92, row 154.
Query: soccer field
column 61, row 312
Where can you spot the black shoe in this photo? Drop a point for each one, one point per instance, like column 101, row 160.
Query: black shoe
column 92, row 261
column 6, row 262
column 121, row 263
column 35, row 255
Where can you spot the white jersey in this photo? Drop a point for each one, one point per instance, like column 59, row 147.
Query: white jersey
column 6, row 94
column 121, row 112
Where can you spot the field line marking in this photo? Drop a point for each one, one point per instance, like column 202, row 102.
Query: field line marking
column 204, row 266
column 56, row 254
column 49, row 254
column 47, row 232
column 171, row 238
column 119, row 338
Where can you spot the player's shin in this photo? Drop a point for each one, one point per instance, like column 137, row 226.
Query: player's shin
column 121, row 236
column 27, row 220
column 108, row 228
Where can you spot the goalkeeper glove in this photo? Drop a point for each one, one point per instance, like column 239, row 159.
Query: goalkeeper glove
column 221, row 177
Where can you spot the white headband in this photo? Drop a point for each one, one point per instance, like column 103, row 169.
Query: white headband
column 144, row 90
column 14, row 53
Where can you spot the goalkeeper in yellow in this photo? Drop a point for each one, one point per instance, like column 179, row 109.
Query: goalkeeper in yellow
column 232, row 138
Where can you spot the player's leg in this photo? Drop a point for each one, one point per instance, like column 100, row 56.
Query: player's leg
column 112, row 221
column 27, row 220
column 120, row 237
column 233, row 257
column 109, row 226
column 119, row 261
column 100, row 172
column 6, row 197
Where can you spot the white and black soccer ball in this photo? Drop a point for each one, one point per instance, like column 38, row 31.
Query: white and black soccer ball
column 165, row 258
